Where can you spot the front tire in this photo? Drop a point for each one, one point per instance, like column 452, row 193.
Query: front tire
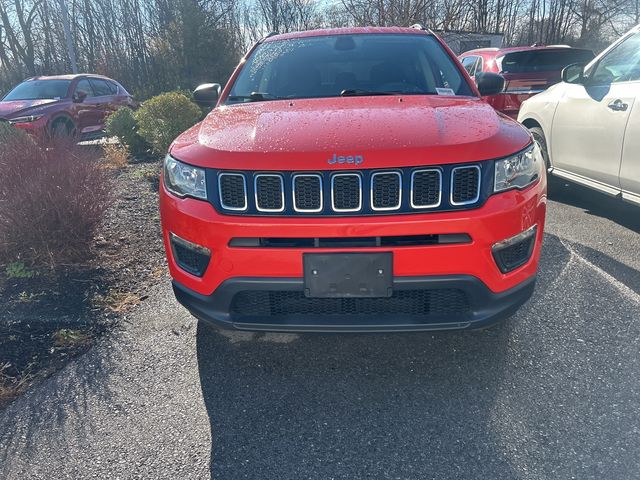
column 63, row 129
column 538, row 136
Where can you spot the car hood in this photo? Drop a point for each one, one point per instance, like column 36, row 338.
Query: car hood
column 385, row 131
column 13, row 108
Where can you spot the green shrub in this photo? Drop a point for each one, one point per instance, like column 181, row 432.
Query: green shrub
column 162, row 118
column 123, row 125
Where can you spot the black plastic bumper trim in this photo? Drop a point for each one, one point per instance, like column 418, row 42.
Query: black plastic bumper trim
column 486, row 307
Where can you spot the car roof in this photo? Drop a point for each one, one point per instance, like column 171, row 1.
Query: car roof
column 503, row 51
column 67, row 77
column 348, row 31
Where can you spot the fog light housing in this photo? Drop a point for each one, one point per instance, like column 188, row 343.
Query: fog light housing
column 190, row 257
column 515, row 251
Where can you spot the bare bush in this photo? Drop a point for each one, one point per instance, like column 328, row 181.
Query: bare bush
column 51, row 201
column 116, row 155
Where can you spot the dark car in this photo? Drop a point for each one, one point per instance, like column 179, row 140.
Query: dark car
column 64, row 105
column 527, row 70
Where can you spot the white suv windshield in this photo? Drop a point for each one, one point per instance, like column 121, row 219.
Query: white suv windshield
column 335, row 65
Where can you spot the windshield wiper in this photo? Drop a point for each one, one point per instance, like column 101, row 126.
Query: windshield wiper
column 364, row 93
column 256, row 97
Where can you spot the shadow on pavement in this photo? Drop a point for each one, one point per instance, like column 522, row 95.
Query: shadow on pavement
column 351, row 406
column 595, row 203
column 408, row 406
column 65, row 408
column 546, row 394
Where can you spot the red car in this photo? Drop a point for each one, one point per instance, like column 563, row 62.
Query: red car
column 527, row 70
column 74, row 105
column 353, row 180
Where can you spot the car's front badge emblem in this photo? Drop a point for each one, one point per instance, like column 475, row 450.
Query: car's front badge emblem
column 342, row 159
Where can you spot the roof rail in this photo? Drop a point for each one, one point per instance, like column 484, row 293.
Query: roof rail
column 418, row 26
column 270, row 34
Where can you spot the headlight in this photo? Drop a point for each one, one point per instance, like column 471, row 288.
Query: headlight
column 25, row 119
column 518, row 171
column 184, row 180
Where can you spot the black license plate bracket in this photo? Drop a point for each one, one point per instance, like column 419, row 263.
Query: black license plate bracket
column 348, row 275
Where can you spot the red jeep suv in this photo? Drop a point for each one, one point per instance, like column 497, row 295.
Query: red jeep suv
column 527, row 70
column 74, row 105
column 353, row 180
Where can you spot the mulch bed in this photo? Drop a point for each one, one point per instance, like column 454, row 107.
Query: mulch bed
column 50, row 318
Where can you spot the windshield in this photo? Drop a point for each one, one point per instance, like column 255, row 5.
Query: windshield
column 39, row 90
column 334, row 65
column 543, row 60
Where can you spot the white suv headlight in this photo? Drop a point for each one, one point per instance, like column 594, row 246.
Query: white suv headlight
column 518, row 171
column 184, row 180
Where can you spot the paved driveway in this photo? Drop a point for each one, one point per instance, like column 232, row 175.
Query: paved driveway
column 555, row 393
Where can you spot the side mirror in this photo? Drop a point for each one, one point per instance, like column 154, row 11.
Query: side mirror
column 489, row 83
column 207, row 94
column 79, row 96
column 573, row 73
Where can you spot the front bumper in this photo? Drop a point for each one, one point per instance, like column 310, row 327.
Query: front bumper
column 484, row 306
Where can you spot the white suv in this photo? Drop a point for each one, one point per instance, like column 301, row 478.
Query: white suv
column 588, row 126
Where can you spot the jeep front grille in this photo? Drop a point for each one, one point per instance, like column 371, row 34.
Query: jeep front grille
column 346, row 192
column 426, row 188
column 352, row 192
column 386, row 191
column 307, row 193
column 233, row 191
column 269, row 192
column 464, row 185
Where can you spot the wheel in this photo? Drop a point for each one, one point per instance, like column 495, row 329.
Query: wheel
column 539, row 138
column 63, row 129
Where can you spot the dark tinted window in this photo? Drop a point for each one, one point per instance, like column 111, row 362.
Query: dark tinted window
column 39, row 90
column 543, row 60
column 325, row 66
column 100, row 87
column 113, row 88
column 84, row 86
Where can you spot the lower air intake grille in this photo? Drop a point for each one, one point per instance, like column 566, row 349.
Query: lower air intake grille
column 190, row 257
column 465, row 185
column 440, row 302
column 511, row 257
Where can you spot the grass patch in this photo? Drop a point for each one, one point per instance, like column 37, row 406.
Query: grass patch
column 117, row 302
column 18, row 270
column 68, row 338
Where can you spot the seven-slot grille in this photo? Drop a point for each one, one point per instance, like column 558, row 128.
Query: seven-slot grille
column 351, row 192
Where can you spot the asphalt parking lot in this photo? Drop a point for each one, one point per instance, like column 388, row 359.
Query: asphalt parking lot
column 554, row 393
